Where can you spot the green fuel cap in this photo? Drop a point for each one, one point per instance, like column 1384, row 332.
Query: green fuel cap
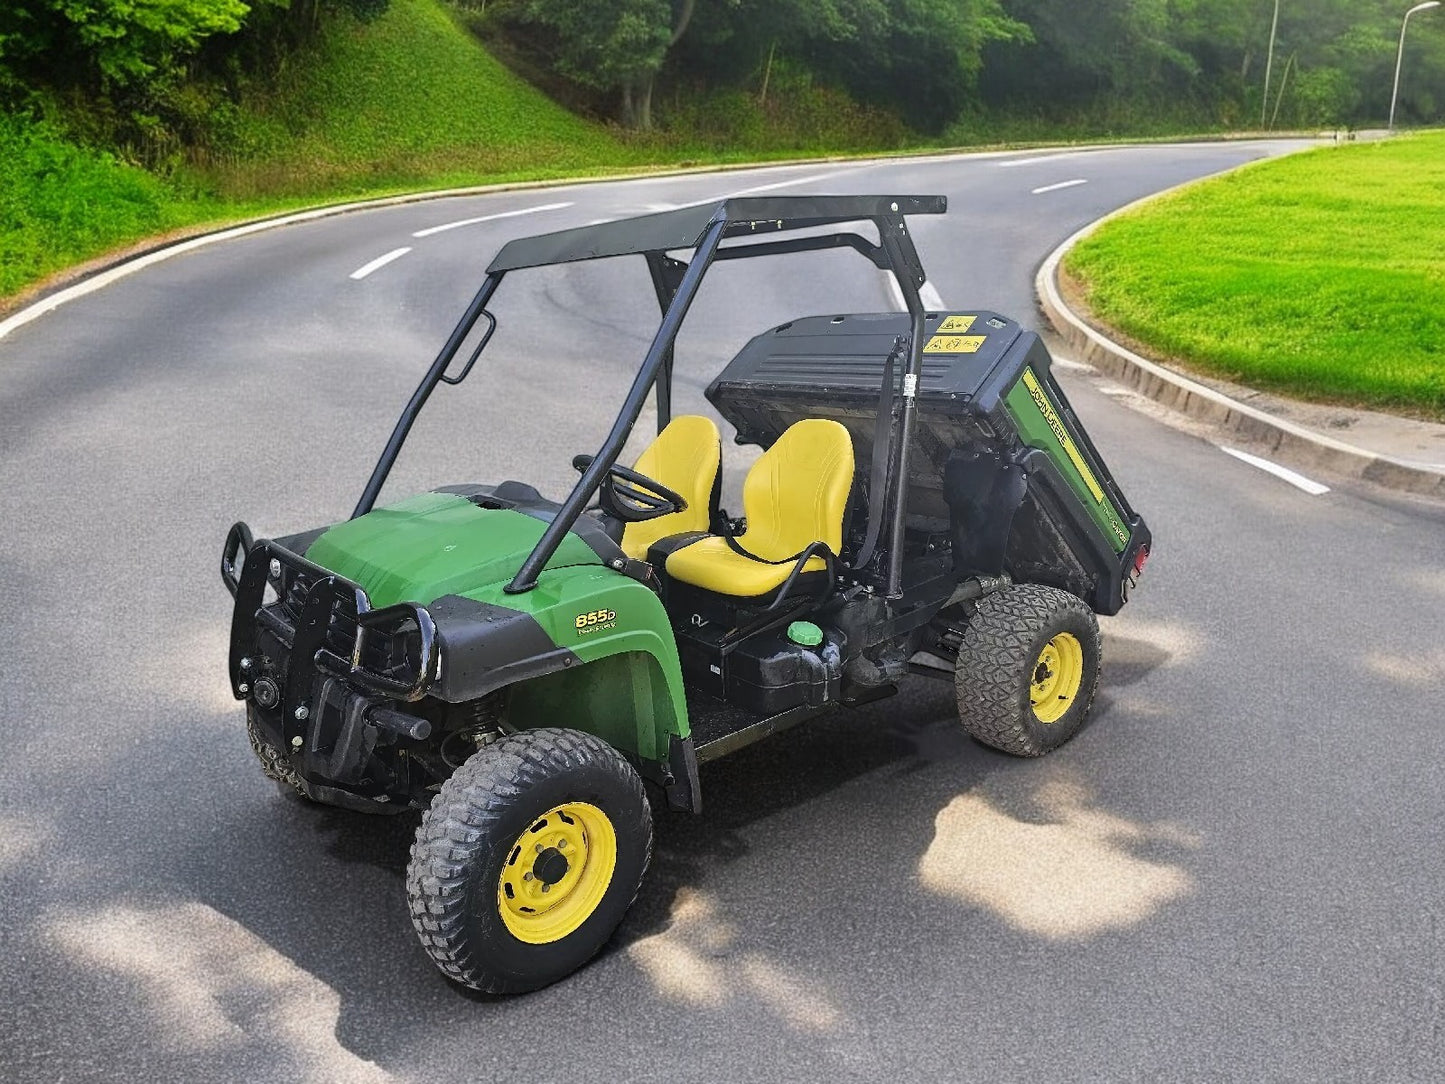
column 805, row 633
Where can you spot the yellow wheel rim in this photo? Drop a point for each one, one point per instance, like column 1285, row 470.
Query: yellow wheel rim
column 557, row 872
column 1058, row 673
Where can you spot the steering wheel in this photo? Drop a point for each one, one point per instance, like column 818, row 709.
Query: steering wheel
column 632, row 497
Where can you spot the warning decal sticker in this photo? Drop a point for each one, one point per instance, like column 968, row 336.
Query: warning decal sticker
column 955, row 325
column 954, row 344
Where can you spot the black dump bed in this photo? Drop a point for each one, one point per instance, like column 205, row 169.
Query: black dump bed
column 999, row 462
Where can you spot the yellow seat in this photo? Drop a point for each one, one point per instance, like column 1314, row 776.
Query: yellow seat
column 794, row 495
column 686, row 457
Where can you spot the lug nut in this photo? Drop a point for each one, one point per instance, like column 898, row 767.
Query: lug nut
column 302, row 712
column 296, row 742
column 245, row 664
column 275, row 569
column 527, row 876
column 546, row 887
column 243, row 688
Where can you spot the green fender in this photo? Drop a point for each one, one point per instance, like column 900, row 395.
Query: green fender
column 587, row 648
column 626, row 684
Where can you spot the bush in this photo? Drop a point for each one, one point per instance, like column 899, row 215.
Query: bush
column 61, row 202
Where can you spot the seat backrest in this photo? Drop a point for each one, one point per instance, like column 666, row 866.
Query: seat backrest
column 686, row 457
column 797, row 491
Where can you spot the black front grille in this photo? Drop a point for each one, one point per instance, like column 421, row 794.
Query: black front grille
column 312, row 617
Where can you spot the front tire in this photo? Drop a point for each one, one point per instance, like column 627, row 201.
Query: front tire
column 1027, row 669
column 528, row 859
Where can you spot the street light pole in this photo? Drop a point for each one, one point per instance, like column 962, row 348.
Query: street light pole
column 1269, row 62
column 1400, row 54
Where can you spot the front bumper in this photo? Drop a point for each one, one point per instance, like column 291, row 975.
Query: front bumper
column 327, row 627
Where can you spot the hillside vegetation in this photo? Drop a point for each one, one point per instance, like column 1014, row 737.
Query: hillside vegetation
column 1320, row 274
column 408, row 98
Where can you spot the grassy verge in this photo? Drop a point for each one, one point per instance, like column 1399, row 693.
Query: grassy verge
column 1320, row 275
column 61, row 203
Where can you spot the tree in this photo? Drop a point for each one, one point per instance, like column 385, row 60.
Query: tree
column 614, row 44
column 131, row 40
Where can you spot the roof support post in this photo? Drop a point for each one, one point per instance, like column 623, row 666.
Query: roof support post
column 419, row 397
column 903, row 261
column 667, row 276
column 657, row 353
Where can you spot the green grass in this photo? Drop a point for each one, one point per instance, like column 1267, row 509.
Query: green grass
column 61, row 203
column 408, row 98
column 1321, row 275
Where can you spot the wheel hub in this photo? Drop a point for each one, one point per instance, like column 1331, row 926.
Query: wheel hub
column 551, row 866
column 557, row 872
column 1058, row 673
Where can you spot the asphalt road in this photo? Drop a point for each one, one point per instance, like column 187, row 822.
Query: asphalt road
column 1233, row 873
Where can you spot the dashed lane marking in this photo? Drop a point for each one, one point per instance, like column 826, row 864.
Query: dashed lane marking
column 1056, row 187
column 487, row 218
column 380, row 262
column 1038, row 159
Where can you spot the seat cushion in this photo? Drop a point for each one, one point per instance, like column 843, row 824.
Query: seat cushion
column 711, row 565
column 686, row 457
column 794, row 495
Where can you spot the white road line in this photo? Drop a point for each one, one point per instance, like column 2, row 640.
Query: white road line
column 789, row 184
column 1299, row 481
column 380, row 262
column 1040, row 158
column 656, row 207
column 488, row 218
column 1056, row 187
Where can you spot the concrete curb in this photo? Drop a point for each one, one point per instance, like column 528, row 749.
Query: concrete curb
column 1152, row 380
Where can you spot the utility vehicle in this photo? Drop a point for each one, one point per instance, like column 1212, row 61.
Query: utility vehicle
column 525, row 670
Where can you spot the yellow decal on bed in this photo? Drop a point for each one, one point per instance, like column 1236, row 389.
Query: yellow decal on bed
column 1051, row 416
column 954, row 344
column 956, row 325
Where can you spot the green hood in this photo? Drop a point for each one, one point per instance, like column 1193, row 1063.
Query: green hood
column 436, row 544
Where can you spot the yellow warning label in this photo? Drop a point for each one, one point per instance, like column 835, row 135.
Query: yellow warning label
column 954, row 344
column 955, row 324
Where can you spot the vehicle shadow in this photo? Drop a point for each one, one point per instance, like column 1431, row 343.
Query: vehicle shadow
column 253, row 885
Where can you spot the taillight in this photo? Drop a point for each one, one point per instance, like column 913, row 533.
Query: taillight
column 1140, row 557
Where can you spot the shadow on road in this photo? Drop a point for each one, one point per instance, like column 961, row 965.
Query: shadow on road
column 262, row 930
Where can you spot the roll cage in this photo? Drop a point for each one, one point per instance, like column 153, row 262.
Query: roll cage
column 702, row 229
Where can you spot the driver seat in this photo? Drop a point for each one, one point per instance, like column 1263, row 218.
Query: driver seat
column 794, row 497
column 687, row 458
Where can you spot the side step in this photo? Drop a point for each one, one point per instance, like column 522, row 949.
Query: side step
column 719, row 729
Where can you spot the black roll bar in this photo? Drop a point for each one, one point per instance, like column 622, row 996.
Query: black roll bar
column 428, row 382
column 657, row 354
column 676, row 284
column 893, row 235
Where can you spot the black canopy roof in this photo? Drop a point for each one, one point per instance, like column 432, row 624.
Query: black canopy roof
column 684, row 228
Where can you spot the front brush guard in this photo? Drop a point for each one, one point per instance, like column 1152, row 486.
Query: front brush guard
column 245, row 567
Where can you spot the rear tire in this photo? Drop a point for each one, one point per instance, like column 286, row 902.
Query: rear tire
column 528, row 859
column 1027, row 669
